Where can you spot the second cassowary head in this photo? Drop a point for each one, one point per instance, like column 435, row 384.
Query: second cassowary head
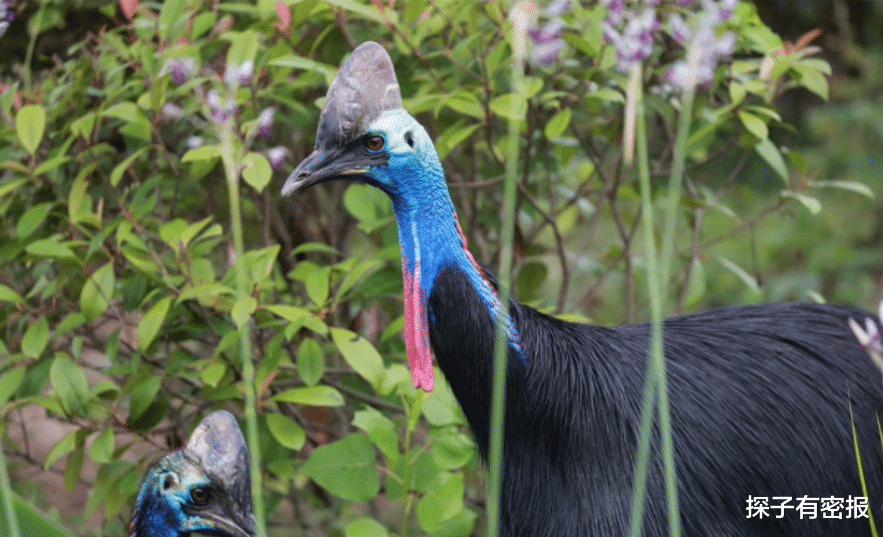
column 364, row 134
column 203, row 487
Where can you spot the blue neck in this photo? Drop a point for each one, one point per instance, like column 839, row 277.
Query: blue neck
column 424, row 211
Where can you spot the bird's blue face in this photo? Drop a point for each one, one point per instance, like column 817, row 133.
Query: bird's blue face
column 411, row 171
column 203, row 487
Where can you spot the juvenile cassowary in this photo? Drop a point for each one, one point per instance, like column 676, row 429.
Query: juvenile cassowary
column 759, row 394
column 203, row 487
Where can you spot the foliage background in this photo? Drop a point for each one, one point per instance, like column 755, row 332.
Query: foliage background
column 118, row 306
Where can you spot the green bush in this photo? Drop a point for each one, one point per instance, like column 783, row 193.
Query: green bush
column 133, row 294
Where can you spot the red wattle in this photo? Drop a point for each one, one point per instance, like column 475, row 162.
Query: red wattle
column 416, row 328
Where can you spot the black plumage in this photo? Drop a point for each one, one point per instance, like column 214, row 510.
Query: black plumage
column 759, row 399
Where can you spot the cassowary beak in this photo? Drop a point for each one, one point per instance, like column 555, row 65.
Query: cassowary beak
column 326, row 165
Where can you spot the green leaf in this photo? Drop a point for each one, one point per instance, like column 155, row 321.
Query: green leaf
column 213, row 373
column 169, row 15
column 509, row 106
column 60, row 449
column 30, row 122
column 152, row 321
column 364, row 11
column 143, row 395
column 32, row 218
column 10, row 382
column 49, row 248
column 360, row 354
column 366, row 527
column 697, row 284
column 440, row 407
column 749, row 280
column 310, row 66
column 74, row 466
column 204, row 152
column 813, row 205
column 317, row 283
column 286, row 431
column 35, row 338
column 345, row 468
column 858, row 188
column 101, row 450
column 97, row 292
column 420, row 470
column 798, row 161
column 754, row 124
column 558, row 124
column 7, row 294
column 813, row 80
column 773, row 157
column 31, row 521
column 442, row 501
column 242, row 310
column 453, row 451
column 311, row 395
column 117, row 173
column 70, row 384
column 310, row 362
column 257, row 171
column 381, row 430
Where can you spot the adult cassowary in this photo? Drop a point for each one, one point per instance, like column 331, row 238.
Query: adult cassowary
column 203, row 487
column 759, row 394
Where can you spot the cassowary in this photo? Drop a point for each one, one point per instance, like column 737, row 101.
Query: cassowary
column 203, row 487
column 760, row 395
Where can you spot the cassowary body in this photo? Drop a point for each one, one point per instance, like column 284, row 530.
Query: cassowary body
column 203, row 487
column 759, row 394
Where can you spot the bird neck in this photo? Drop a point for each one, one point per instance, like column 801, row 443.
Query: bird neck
column 432, row 241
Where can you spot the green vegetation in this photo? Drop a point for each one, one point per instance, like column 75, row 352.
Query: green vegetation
column 150, row 273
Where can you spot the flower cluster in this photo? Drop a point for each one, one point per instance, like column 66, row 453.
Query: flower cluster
column 6, row 15
column 630, row 31
column 630, row 27
column 221, row 104
column 548, row 38
column 705, row 48
column 181, row 69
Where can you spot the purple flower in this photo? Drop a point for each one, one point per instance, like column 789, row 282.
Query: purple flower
column 194, row 141
column 220, row 110
column 549, row 32
column 557, row 7
column 239, row 74
column 635, row 41
column 547, row 52
column 265, row 121
column 171, row 111
column 6, row 16
column 704, row 46
column 276, row 155
column 181, row 68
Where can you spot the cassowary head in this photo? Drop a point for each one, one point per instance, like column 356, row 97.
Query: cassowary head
column 365, row 135
column 203, row 487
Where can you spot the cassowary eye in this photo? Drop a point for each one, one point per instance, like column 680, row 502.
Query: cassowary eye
column 200, row 495
column 374, row 143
